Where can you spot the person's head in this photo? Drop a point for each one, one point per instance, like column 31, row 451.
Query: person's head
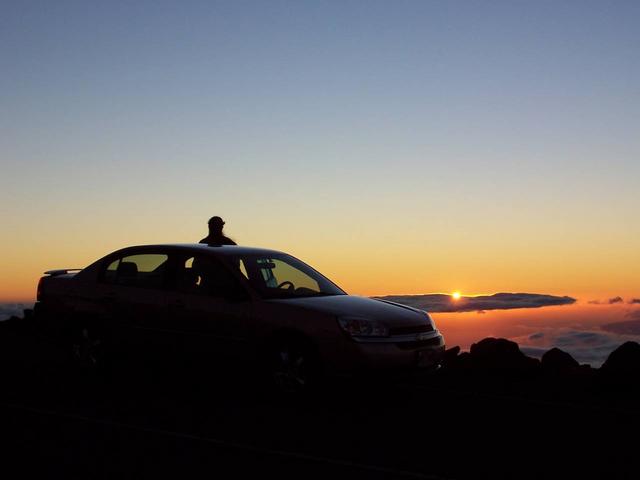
column 216, row 224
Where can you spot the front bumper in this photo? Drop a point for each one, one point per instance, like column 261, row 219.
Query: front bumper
column 423, row 351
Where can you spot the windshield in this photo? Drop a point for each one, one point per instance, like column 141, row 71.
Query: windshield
column 283, row 276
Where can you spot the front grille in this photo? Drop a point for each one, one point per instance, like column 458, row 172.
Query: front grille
column 419, row 343
column 412, row 329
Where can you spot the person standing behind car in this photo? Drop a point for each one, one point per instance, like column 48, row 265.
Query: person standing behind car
column 216, row 237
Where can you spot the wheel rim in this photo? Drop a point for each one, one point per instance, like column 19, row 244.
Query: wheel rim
column 289, row 373
column 86, row 349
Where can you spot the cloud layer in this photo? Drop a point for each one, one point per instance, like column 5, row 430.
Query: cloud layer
column 630, row 327
column 9, row 309
column 500, row 301
column 591, row 347
column 626, row 327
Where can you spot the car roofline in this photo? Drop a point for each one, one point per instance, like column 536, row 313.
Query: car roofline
column 218, row 249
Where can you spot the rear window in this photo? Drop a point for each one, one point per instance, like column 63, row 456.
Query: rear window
column 146, row 270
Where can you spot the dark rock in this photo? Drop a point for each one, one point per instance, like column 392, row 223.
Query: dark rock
column 557, row 360
column 463, row 360
column 11, row 322
column 453, row 351
column 625, row 358
column 451, row 357
column 500, row 354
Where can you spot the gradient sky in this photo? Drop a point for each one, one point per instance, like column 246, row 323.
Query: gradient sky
column 399, row 147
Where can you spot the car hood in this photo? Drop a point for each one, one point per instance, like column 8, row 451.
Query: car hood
column 393, row 314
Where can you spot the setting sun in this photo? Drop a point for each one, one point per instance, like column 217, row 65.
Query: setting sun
column 455, row 295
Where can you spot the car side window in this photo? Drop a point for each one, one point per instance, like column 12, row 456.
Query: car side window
column 146, row 270
column 109, row 275
column 277, row 272
column 202, row 275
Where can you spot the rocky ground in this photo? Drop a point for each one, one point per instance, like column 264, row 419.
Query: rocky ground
column 491, row 412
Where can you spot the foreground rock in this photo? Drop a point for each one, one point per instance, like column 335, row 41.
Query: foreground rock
column 624, row 359
column 500, row 354
column 558, row 361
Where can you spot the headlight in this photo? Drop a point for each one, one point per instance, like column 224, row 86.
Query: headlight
column 362, row 327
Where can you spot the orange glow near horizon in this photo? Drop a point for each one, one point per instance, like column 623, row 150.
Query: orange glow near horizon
column 363, row 264
column 456, row 295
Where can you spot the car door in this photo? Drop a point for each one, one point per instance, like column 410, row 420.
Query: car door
column 209, row 310
column 133, row 288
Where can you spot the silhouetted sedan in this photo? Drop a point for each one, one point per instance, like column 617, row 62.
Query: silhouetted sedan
column 191, row 302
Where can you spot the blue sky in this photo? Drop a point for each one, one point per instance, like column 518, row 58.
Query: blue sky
column 387, row 121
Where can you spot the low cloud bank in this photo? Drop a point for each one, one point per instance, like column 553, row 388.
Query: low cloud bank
column 589, row 347
column 7, row 310
column 630, row 327
column 626, row 327
column 438, row 302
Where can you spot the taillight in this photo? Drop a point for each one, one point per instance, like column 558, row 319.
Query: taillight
column 39, row 291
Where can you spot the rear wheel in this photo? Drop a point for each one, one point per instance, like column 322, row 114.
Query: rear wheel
column 87, row 348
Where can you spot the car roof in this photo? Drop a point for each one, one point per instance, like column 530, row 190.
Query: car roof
column 204, row 248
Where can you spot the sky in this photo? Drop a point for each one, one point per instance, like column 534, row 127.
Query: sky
column 399, row 147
